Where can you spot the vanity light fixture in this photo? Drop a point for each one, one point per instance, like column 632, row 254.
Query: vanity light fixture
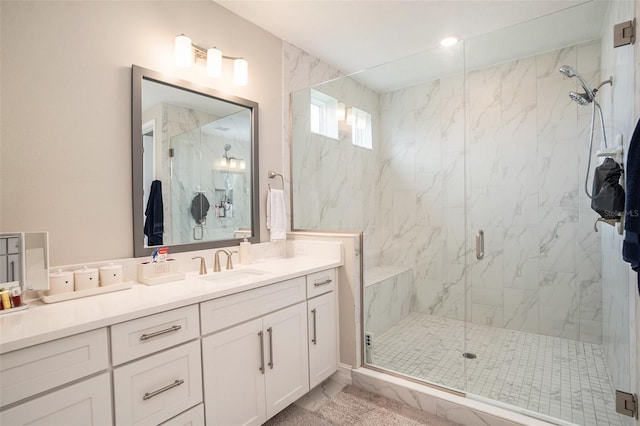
column 231, row 163
column 187, row 53
column 449, row 41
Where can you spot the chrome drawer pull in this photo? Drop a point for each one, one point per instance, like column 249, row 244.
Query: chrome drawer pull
column 260, row 334
column 315, row 337
column 150, row 395
column 270, row 331
column 160, row 333
column 325, row 282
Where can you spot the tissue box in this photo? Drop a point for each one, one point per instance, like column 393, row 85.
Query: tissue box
column 152, row 273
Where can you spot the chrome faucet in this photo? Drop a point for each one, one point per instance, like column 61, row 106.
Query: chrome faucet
column 203, row 265
column 216, row 260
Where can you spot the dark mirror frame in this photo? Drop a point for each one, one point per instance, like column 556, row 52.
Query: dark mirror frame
column 138, row 74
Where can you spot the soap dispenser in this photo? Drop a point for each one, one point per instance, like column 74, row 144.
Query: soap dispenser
column 245, row 252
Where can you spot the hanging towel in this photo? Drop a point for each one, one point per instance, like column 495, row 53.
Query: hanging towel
column 154, row 224
column 276, row 215
column 199, row 208
column 631, row 245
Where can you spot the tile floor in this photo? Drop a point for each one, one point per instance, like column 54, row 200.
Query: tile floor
column 557, row 377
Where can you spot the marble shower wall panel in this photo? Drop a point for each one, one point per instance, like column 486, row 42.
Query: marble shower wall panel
column 338, row 179
column 422, row 191
column 525, row 157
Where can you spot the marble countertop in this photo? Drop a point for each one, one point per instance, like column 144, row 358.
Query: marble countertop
column 44, row 322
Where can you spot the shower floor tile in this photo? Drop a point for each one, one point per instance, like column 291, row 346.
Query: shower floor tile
column 557, row 377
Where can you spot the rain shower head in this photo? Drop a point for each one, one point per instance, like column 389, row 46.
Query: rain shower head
column 589, row 94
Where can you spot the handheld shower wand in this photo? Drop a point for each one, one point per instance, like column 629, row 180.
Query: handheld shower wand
column 586, row 98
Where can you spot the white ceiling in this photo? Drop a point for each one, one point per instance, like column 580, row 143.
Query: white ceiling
column 355, row 35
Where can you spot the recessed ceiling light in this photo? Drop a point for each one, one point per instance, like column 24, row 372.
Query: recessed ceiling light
column 449, row 41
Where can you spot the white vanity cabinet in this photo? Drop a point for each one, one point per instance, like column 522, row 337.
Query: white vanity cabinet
column 322, row 320
column 254, row 369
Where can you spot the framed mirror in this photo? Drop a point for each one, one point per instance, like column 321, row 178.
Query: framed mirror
column 195, row 165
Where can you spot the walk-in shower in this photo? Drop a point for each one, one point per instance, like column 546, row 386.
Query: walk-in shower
column 478, row 137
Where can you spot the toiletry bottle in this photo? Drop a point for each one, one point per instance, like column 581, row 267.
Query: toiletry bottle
column 245, row 252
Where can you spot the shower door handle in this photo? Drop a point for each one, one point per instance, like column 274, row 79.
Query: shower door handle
column 480, row 244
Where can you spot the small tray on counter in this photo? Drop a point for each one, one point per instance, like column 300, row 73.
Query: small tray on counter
column 16, row 309
column 70, row 295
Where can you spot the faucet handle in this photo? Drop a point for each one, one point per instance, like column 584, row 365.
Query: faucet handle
column 229, row 262
column 203, row 265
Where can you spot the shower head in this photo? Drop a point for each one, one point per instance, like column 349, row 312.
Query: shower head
column 580, row 98
column 570, row 72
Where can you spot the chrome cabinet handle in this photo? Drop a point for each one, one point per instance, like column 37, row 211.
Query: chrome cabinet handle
column 270, row 331
column 327, row 281
column 150, row 395
column 315, row 336
column 160, row 333
column 480, row 244
column 261, row 335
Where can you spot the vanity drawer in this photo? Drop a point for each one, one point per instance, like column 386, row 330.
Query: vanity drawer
column 321, row 282
column 85, row 403
column 237, row 308
column 191, row 417
column 154, row 389
column 143, row 336
column 35, row 369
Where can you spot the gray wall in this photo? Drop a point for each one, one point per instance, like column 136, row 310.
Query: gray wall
column 66, row 96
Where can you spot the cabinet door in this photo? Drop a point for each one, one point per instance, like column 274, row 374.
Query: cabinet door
column 287, row 356
column 233, row 362
column 83, row 404
column 323, row 346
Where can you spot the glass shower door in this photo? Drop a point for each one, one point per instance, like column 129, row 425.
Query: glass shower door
column 543, row 296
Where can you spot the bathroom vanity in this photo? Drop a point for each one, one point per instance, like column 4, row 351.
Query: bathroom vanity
column 232, row 347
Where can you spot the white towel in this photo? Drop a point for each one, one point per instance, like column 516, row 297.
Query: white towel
column 276, row 214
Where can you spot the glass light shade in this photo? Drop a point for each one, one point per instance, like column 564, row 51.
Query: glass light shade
column 214, row 62
column 340, row 111
column 240, row 72
column 243, row 165
column 350, row 116
column 223, row 162
column 184, row 51
column 232, row 163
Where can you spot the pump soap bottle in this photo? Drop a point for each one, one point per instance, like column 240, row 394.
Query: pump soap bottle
column 245, row 252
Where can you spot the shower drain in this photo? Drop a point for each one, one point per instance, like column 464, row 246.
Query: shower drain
column 469, row 355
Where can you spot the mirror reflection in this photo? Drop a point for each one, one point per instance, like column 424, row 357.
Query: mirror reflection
column 196, row 178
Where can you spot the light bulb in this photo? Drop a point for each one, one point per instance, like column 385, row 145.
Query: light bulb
column 214, row 62
column 240, row 72
column 340, row 111
column 449, row 41
column 183, row 51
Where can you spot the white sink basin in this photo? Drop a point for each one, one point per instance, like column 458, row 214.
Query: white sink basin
column 227, row 277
